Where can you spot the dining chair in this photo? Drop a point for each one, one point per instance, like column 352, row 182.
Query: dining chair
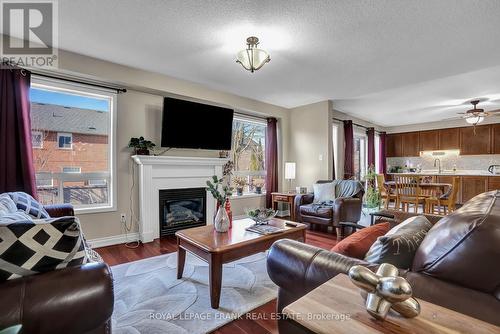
column 446, row 201
column 386, row 193
column 408, row 192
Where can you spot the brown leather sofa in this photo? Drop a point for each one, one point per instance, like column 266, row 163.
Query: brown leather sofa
column 74, row 300
column 344, row 210
column 462, row 273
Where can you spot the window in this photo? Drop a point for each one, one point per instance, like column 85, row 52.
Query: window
column 360, row 155
column 71, row 169
column 75, row 164
column 248, row 152
column 377, row 152
column 37, row 139
column 65, row 141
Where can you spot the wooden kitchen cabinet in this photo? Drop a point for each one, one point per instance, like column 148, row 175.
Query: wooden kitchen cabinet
column 472, row 186
column 475, row 143
column 393, row 145
column 429, row 140
column 449, row 139
column 410, row 144
column 493, row 183
column 495, row 136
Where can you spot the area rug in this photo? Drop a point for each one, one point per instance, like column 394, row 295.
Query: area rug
column 150, row 299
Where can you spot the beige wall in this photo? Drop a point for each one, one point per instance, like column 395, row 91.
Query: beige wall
column 139, row 113
column 309, row 139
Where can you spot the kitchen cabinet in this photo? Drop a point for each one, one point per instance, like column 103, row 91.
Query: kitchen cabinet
column 475, row 143
column 493, row 183
column 495, row 136
column 429, row 140
column 472, row 186
column 394, row 145
column 410, row 144
column 449, row 139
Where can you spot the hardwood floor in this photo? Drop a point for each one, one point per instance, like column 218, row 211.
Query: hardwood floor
column 258, row 321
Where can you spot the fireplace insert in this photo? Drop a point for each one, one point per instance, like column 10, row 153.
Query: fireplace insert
column 182, row 208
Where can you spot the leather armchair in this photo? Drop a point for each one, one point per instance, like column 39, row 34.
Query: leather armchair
column 343, row 210
column 71, row 300
column 298, row 268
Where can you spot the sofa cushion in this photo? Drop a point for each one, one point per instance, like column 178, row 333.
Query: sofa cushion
column 316, row 210
column 357, row 244
column 31, row 246
column 398, row 246
column 28, row 204
column 463, row 247
column 324, row 192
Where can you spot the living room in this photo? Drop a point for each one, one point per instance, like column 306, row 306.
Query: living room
column 392, row 106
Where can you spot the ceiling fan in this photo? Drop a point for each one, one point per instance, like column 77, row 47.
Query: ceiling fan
column 476, row 115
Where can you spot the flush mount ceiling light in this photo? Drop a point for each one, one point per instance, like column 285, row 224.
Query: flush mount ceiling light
column 252, row 58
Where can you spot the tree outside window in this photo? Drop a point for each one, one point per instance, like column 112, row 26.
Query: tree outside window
column 248, row 152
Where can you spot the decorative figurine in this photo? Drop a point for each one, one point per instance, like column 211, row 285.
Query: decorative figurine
column 385, row 290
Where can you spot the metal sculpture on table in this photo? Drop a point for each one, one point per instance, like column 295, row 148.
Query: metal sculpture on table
column 385, row 290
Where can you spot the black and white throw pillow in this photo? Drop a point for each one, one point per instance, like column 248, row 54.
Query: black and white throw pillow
column 398, row 246
column 28, row 204
column 29, row 247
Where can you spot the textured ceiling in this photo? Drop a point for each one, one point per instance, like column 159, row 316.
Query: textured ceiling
column 385, row 61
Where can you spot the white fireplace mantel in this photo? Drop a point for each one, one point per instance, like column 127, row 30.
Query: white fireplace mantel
column 170, row 172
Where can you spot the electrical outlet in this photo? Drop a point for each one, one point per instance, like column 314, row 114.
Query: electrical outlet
column 123, row 218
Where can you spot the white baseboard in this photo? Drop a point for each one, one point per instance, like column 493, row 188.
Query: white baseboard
column 113, row 240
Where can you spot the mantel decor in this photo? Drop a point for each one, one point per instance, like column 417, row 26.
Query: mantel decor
column 385, row 290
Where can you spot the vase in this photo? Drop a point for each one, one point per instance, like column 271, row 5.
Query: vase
column 221, row 221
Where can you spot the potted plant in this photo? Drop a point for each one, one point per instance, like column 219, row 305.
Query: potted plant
column 140, row 145
column 240, row 183
column 258, row 186
column 372, row 196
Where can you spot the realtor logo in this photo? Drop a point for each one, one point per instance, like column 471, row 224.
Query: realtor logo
column 29, row 33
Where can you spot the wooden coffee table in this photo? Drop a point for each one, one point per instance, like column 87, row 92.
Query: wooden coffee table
column 336, row 307
column 219, row 248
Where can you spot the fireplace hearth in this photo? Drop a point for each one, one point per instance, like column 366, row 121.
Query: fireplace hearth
column 182, row 208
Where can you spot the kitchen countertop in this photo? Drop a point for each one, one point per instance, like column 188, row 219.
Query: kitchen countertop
column 449, row 173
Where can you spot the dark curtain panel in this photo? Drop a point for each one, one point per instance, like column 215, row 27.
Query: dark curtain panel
column 370, row 133
column 382, row 164
column 349, row 150
column 271, row 160
column 17, row 172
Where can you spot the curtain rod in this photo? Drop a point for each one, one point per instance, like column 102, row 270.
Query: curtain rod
column 358, row 125
column 78, row 81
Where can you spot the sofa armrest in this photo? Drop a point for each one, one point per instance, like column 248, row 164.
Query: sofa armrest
column 347, row 209
column 301, row 199
column 59, row 210
column 400, row 216
column 71, row 300
column 298, row 268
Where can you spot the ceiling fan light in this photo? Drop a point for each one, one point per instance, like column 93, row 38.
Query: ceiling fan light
column 474, row 119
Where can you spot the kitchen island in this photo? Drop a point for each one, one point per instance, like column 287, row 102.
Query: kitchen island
column 472, row 182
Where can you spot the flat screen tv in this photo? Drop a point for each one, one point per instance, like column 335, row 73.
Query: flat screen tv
column 195, row 125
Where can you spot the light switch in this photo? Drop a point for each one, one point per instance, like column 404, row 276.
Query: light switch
column 320, row 157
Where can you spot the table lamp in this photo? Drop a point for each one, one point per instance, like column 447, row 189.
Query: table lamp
column 289, row 173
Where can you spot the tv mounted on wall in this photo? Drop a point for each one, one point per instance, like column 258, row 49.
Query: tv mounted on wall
column 189, row 124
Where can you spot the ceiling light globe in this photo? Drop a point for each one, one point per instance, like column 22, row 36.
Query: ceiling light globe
column 252, row 58
column 474, row 119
